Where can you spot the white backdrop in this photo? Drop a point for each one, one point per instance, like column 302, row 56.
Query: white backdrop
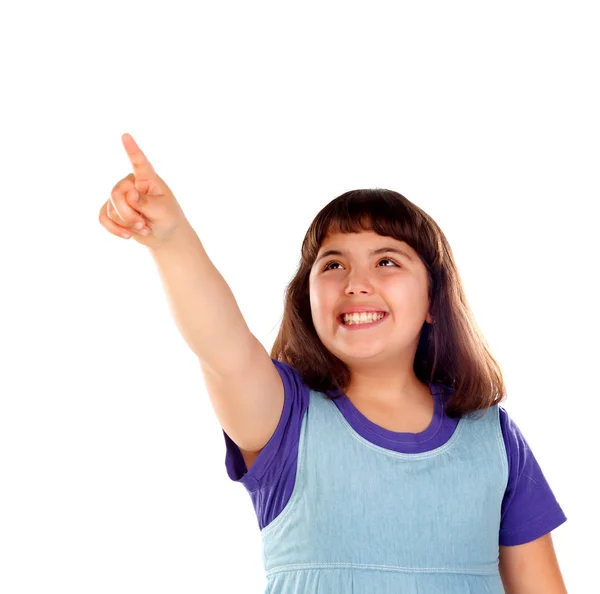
column 112, row 461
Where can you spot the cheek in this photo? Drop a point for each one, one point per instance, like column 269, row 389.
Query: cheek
column 319, row 296
column 314, row 297
column 407, row 296
column 318, row 309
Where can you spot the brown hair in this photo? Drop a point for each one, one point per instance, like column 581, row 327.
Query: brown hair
column 452, row 351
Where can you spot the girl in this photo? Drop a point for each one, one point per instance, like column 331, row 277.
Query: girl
column 371, row 440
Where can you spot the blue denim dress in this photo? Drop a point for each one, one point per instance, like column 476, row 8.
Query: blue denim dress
column 363, row 519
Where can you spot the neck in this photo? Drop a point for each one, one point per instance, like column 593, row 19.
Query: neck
column 387, row 390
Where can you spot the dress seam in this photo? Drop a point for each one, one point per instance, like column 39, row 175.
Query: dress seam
column 394, row 568
column 502, row 446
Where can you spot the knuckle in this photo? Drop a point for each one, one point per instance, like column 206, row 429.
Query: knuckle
column 117, row 209
column 112, row 207
column 108, row 221
column 123, row 185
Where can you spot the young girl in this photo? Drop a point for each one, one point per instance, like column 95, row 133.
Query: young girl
column 371, row 440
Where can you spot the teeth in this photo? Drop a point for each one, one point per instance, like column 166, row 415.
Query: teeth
column 362, row 318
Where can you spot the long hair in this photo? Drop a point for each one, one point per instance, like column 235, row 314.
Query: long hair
column 452, row 351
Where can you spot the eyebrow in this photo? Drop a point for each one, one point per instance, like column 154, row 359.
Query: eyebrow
column 373, row 253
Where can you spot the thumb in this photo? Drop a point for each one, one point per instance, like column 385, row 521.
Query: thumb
column 142, row 204
column 135, row 200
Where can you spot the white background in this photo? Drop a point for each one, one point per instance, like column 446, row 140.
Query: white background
column 257, row 114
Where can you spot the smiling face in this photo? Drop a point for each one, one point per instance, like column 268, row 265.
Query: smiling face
column 392, row 282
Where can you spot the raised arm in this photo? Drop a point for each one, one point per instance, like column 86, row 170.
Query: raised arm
column 244, row 386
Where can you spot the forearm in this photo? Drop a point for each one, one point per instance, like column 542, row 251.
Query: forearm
column 203, row 306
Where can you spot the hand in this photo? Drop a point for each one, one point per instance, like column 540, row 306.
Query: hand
column 144, row 197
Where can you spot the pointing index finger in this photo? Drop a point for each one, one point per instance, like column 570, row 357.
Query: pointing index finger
column 142, row 168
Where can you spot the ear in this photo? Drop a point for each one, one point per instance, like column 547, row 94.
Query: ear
column 429, row 318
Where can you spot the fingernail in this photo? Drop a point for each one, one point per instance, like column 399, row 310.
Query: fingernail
column 139, row 225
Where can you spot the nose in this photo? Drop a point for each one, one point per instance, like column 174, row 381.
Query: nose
column 362, row 288
column 357, row 281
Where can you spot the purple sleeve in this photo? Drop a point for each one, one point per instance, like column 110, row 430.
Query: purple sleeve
column 272, row 475
column 529, row 508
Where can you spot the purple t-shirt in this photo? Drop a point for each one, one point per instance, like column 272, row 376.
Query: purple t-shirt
column 529, row 508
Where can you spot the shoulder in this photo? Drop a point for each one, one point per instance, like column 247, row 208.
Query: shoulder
column 529, row 507
column 518, row 452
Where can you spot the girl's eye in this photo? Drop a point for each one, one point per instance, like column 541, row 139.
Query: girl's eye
column 382, row 260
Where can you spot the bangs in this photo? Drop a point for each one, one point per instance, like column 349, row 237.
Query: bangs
column 384, row 212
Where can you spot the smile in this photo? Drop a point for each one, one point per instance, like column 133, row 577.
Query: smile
column 361, row 325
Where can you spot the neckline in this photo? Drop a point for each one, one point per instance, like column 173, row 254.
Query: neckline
column 379, row 434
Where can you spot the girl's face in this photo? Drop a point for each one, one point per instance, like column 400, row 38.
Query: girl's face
column 395, row 283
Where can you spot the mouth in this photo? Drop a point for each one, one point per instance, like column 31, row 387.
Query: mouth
column 354, row 326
